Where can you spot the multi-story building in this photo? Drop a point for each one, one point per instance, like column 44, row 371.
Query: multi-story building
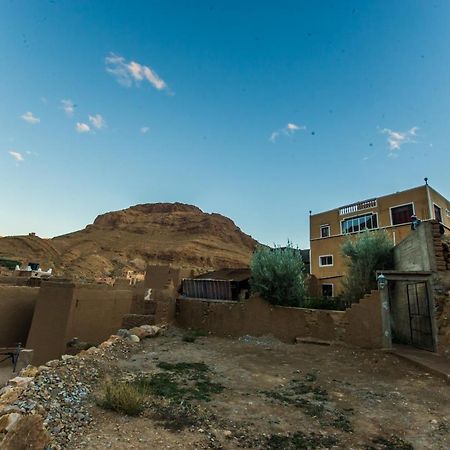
column 393, row 212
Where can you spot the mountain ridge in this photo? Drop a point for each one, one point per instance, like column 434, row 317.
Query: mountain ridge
column 128, row 239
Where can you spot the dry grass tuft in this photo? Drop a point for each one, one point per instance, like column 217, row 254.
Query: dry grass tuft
column 122, row 397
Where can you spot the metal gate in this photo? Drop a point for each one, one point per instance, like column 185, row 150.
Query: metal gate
column 419, row 316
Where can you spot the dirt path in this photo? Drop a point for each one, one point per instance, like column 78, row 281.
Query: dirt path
column 277, row 396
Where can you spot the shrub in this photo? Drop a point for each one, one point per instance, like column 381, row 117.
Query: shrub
column 122, row 397
column 368, row 252
column 331, row 303
column 192, row 335
column 278, row 275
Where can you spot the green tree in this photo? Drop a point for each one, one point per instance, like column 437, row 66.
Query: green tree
column 278, row 275
column 365, row 254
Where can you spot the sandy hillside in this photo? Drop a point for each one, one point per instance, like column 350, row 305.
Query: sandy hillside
column 173, row 233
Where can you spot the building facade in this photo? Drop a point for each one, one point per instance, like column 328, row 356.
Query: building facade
column 329, row 229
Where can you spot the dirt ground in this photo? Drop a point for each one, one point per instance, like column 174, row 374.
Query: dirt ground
column 263, row 394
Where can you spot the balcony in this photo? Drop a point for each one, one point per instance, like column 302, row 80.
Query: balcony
column 358, row 206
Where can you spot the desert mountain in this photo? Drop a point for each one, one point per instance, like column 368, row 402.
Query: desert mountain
column 175, row 233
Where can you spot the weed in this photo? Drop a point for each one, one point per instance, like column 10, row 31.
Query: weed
column 311, row 377
column 161, row 385
column 192, row 335
column 391, row 443
column 176, row 417
column 122, row 397
column 184, row 368
column 299, row 441
column 313, row 400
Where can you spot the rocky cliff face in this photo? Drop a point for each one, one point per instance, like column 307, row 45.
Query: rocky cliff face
column 173, row 233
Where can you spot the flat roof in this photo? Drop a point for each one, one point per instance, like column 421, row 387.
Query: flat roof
column 374, row 198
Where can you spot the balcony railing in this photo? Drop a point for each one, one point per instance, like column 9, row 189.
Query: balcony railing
column 358, row 206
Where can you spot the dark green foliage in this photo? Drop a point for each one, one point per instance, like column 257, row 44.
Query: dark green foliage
column 331, row 303
column 9, row 263
column 313, row 400
column 278, row 275
column 391, row 443
column 181, row 382
column 192, row 335
column 365, row 254
column 299, row 441
column 184, row 367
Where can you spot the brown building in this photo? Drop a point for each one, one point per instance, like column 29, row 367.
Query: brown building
column 393, row 212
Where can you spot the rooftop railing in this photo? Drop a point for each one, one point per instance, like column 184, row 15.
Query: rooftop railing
column 358, row 206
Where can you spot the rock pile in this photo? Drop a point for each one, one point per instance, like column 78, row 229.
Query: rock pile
column 46, row 406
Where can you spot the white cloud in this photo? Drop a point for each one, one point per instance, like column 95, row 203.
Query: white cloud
column 396, row 139
column 17, row 156
column 82, row 127
column 127, row 73
column 30, row 118
column 68, row 107
column 288, row 130
column 145, row 129
column 98, row 121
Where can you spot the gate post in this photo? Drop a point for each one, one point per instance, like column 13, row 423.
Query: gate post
column 386, row 337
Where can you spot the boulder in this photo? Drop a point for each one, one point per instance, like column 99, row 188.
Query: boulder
column 134, row 338
column 29, row 371
column 8, row 420
column 123, row 333
column 27, row 432
column 145, row 331
column 20, row 381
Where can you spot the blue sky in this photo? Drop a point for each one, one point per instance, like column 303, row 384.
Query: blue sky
column 260, row 111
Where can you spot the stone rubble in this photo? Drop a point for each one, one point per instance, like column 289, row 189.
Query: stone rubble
column 52, row 398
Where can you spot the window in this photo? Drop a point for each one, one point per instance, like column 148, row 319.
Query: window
column 324, row 230
column 402, row 214
column 447, row 212
column 327, row 290
column 325, row 260
column 359, row 223
column 437, row 213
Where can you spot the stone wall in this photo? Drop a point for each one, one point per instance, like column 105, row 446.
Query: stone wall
column 360, row 325
column 16, row 311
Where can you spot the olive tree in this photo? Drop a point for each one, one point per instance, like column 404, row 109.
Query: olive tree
column 277, row 274
column 365, row 254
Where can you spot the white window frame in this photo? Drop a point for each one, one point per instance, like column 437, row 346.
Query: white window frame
column 356, row 217
column 447, row 212
column 398, row 206
column 327, row 284
column 323, row 227
column 434, row 212
column 326, row 265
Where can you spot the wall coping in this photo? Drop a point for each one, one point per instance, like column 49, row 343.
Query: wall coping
column 233, row 302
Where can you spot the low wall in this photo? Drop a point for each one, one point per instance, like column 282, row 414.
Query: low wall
column 16, row 312
column 65, row 310
column 360, row 325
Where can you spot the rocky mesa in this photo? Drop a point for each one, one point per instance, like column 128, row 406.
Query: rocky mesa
column 158, row 233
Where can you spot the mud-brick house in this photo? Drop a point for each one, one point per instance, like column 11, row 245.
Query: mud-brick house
column 392, row 213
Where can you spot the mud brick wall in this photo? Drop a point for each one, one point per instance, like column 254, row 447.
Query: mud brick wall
column 66, row 310
column 16, row 312
column 359, row 325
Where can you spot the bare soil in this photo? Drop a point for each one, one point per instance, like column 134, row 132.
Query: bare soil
column 270, row 395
